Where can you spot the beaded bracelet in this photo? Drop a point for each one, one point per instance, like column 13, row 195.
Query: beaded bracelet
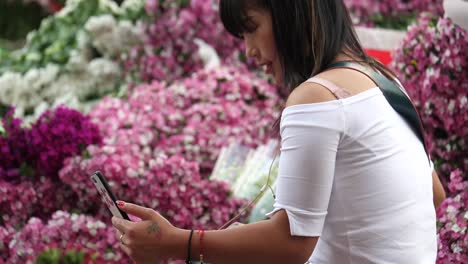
column 201, row 232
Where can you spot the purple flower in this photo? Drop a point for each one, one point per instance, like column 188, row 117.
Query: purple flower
column 453, row 224
column 59, row 134
column 65, row 231
column 432, row 62
column 13, row 148
column 31, row 159
column 368, row 12
column 170, row 51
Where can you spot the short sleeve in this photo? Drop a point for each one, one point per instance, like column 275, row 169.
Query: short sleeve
column 310, row 135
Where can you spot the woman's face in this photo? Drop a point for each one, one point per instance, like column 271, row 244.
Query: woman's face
column 260, row 43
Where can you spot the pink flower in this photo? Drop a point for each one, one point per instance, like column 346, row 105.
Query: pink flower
column 439, row 51
column 396, row 13
column 453, row 224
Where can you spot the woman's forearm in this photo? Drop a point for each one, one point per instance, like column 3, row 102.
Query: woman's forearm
column 263, row 242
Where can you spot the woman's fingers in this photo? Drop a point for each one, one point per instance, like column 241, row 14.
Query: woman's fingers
column 121, row 224
column 127, row 250
column 136, row 210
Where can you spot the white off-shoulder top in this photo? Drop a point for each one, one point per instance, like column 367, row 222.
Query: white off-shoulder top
column 353, row 173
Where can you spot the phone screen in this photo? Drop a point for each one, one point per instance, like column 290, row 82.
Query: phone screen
column 107, row 196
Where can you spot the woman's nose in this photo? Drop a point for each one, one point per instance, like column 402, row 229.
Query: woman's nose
column 251, row 52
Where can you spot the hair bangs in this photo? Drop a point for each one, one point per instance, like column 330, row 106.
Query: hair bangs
column 233, row 14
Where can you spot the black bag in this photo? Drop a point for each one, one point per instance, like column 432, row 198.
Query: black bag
column 394, row 95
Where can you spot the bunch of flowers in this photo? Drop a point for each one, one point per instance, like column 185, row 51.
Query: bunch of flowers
column 171, row 49
column 31, row 159
column 391, row 14
column 111, row 37
column 13, row 147
column 216, row 107
column 188, row 121
column 56, row 37
column 172, row 186
column 453, row 222
column 59, row 134
column 6, row 234
column 17, row 203
column 56, row 135
column 432, row 62
column 68, row 232
column 77, row 86
column 195, row 116
column 71, row 59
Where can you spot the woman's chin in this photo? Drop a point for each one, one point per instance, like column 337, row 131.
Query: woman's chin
column 278, row 81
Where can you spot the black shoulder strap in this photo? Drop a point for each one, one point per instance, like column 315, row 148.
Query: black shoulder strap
column 395, row 97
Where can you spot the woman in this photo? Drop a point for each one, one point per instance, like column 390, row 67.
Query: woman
column 354, row 184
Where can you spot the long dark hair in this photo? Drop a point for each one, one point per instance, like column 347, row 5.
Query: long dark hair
column 309, row 34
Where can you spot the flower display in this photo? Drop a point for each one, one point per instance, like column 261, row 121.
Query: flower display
column 453, row 223
column 17, row 203
column 166, row 139
column 13, row 147
column 56, row 38
column 216, row 107
column 59, row 134
column 31, row 159
column 171, row 49
column 166, row 90
column 391, row 14
column 6, row 234
column 195, row 116
column 172, row 186
column 80, row 64
column 68, row 231
column 432, row 63
column 112, row 37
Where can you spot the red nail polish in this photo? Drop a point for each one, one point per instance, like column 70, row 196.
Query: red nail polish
column 120, row 204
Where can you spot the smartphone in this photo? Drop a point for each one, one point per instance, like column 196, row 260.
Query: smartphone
column 107, row 196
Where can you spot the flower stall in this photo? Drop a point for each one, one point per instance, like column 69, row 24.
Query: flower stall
column 159, row 97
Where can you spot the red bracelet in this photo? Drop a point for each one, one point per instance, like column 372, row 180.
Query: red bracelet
column 201, row 232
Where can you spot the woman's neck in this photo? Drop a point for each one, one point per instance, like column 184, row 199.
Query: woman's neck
column 344, row 57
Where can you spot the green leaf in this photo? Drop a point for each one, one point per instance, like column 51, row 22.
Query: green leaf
column 73, row 257
column 4, row 109
column 51, row 256
column 2, row 130
column 54, row 256
column 26, row 170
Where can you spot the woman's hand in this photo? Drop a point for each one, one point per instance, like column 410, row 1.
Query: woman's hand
column 147, row 241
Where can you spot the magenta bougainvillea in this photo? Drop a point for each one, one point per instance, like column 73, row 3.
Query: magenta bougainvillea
column 391, row 14
column 432, row 62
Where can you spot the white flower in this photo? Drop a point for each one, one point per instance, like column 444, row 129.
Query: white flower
column 82, row 40
column 132, row 5
column 100, row 24
column 112, row 38
column 451, row 106
column 103, row 68
column 131, row 173
column 93, row 232
column 77, row 62
column 129, row 34
column 463, row 101
column 208, row 54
